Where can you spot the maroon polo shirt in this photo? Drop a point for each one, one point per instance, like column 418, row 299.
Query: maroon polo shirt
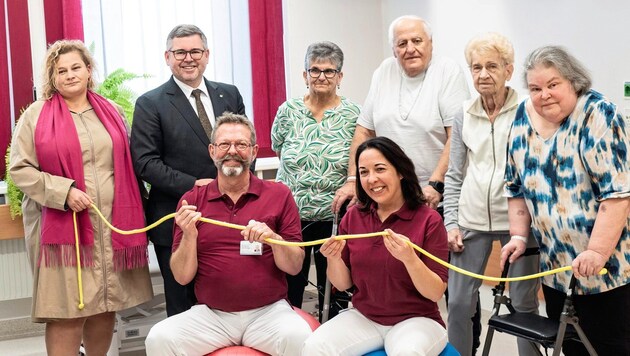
column 384, row 291
column 226, row 280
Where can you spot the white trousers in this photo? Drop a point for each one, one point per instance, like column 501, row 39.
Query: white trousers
column 350, row 334
column 275, row 329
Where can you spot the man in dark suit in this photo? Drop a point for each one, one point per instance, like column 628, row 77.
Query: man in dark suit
column 169, row 142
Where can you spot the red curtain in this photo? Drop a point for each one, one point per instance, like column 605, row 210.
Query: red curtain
column 17, row 52
column 5, row 109
column 269, row 91
column 64, row 20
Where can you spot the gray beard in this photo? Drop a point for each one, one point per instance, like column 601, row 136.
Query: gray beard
column 232, row 171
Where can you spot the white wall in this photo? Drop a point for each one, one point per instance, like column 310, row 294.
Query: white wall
column 38, row 42
column 591, row 30
column 354, row 25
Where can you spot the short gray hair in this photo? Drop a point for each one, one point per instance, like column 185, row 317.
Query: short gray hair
column 392, row 26
column 232, row 118
column 491, row 41
column 185, row 30
column 567, row 65
column 323, row 51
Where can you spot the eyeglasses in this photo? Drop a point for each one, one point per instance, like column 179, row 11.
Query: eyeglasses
column 225, row 146
column 195, row 54
column 328, row 73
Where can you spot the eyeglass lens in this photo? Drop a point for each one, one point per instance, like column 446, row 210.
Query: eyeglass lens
column 316, row 72
column 240, row 146
column 195, row 54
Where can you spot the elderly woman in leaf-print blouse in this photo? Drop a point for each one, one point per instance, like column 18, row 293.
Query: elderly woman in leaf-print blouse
column 312, row 135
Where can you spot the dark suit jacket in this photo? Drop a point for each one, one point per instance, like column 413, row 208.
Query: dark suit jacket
column 170, row 148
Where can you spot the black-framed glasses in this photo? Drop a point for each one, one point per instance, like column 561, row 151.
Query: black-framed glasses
column 240, row 146
column 328, row 73
column 195, row 54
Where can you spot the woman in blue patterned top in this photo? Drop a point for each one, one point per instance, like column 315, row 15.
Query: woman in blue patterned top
column 312, row 135
column 568, row 176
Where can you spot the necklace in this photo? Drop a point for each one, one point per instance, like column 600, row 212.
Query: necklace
column 414, row 81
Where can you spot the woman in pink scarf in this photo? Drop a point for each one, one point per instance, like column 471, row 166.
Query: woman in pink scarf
column 69, row 151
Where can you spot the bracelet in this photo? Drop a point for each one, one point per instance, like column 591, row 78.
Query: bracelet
column 519, row 237
column 351, row 179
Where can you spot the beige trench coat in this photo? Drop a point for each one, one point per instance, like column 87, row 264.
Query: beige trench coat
column 55, row 289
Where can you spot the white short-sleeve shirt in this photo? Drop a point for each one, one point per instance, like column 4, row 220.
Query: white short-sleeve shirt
column 416, row 120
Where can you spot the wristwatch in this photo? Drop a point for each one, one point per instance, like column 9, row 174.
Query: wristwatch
column 438, row 186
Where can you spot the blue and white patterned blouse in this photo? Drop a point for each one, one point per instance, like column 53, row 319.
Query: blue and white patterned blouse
column 564, row 179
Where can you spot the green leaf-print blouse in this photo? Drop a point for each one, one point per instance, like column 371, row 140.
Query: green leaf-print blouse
column 314, row 155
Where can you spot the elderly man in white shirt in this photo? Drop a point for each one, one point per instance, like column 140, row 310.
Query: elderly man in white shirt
column 412, row 100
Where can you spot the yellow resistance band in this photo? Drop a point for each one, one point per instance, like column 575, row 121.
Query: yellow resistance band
column 312, row 243
column 76, row 244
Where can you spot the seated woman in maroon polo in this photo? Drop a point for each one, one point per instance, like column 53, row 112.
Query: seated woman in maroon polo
column 397, row 289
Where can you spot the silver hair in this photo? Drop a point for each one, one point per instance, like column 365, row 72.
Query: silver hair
column 567, row 65
column 490, row 41
column 392, row 26
column 323, row 51
column 185, row 30
column 232, row 118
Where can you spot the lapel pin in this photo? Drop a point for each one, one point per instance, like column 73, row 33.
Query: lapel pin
column 220, row 95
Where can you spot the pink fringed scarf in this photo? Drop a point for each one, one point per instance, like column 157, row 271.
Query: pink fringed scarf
column 59, row 153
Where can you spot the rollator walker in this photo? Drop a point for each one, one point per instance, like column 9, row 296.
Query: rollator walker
column 538, row 330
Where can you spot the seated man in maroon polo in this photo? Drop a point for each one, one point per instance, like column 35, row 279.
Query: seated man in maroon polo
column 240, row 281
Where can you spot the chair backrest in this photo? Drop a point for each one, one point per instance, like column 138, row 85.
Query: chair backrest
column 537, row 329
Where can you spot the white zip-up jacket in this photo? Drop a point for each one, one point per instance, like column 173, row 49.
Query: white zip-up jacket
column 473, row 194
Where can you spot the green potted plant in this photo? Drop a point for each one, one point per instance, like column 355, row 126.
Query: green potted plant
column 114, row 89
column 11, row 228
column 14, row 194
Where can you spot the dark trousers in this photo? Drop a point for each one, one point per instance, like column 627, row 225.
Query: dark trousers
column 604, row 317
column 314, row 230
column 179, row 298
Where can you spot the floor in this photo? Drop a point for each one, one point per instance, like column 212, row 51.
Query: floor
column 34, row 345
column 20, row 337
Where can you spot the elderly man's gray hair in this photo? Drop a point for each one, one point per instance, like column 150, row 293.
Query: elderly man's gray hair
column 232, row 118
column 392, row 26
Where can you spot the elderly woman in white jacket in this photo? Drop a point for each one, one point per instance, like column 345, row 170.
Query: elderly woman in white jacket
column 475, row 211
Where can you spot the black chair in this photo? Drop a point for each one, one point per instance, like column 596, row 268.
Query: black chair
column 333, row 300
column 538, row 330
column 342, row 298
